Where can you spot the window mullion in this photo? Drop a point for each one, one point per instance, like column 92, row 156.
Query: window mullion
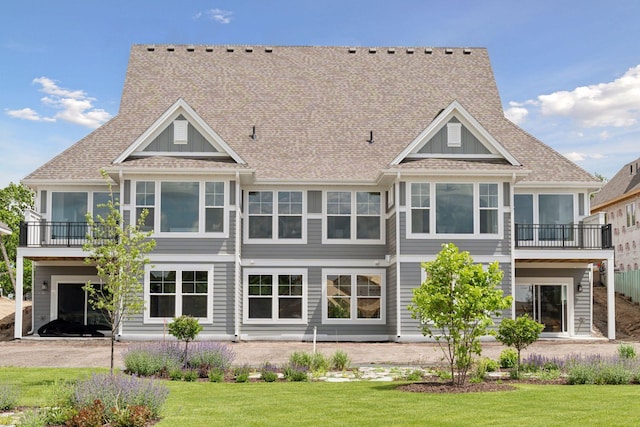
column 476, row 208
column 275, row 315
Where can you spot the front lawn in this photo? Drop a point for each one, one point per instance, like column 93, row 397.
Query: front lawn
column 363, row 403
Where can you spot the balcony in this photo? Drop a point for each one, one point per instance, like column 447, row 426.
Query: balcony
column 36, row 234
column 569, row 236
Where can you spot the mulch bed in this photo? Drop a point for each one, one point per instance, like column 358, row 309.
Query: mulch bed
column 483, row 387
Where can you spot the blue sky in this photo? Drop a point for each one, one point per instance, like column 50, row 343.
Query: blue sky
column 568, row 71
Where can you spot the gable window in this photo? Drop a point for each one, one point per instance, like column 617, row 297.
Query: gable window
column 279, row 218
column 176, row 290
column 275, row 296
column 353, row 215
column 353, row 296
column 631, row 215
column 146, row 199
column 182, row 206
column 451, row 208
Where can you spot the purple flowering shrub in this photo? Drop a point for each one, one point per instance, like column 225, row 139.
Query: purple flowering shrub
column 148, row 359
column 120, row 392
column 207, row 356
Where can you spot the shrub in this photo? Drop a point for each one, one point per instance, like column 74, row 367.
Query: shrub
column 508, row 358
column 300, row 358
column 185, row 328
column 58, row 415
column 626, row 351
column 8, row 396
column 216, row 376
column 152, row 358
column 596, row 369
column 483, row 366
column 415, row 375
column 119, row 391
column 190, row 375
column 133, row 416
column 340, row 360
column 293, row 372
column 316, row 362
column 519, row 333
column 175, row 374
column 537, row 362
column 34, row 418
column 269, row 373
column 241, row 374
column 205, row 356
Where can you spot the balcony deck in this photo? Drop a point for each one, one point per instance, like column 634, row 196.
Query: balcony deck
column 48, row 234
column 569, row 236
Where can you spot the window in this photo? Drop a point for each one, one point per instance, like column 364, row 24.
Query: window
column 182, row 206
column 420, row 207
column 146, row 199
column 275, row 296
column 454, row 209
column 214, row 207
column 279, row 219
column 68, row 214
column 355, row 296
column 341, row 221
column 631, row 215
column 100, row 201
column 489, row 208
column 176, row 290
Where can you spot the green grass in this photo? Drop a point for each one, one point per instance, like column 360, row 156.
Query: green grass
column 366, row 403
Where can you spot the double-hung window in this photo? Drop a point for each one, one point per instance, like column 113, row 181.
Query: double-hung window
column 353, row 216
column 275, row 296
column 275, row 216
column 353, row 296
column 453, row 208
column 631, row 215
column 181, row 206
column 176, row 290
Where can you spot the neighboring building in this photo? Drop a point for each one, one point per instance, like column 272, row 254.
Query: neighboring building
column 294, row 191
column 4, row 229
column 619, row 200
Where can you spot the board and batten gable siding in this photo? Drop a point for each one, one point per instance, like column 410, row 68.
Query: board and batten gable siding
column 411, row 276
column 42, row 298
column 223, row 314
column 438, row 144
column 324, row 332
column 314, row 248
column 581, row 300
column 199, row 244
column 196, row 143
column 433, row 244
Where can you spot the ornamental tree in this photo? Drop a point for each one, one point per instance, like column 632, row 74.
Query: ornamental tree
column 185, row 328
column 519, row 333
column 455, row 305
column 119, row 253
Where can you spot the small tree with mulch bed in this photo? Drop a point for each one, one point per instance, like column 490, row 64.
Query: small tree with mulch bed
column 519, row 334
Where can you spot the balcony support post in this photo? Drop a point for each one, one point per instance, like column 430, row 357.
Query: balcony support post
column 19, row 295
column 611, row 300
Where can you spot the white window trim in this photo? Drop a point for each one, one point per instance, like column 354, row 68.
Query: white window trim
column 274, row 218
column 559, row 281
column 354, row 218
column 178, row 268
column 157, row 214
column 274, row 272
column 74, row 280
column 354, row 320
column 476, row 235
column 630, row 214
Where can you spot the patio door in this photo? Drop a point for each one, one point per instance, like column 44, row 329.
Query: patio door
column 73, row 305
column 545, row 303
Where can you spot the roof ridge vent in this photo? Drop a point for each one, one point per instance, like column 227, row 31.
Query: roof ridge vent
column 229, row 49
column 410, row 50
column 352, row 50
column 171, row 48
column 248, row 49
column 372, row 50
column 151, row 48
column 466, row 51
column 391, row 50
column 428, row 51
column 268, row 49
column 448, row 51
column 191, row 48
column 209, row 48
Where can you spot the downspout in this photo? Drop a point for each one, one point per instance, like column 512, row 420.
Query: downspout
column 398, row 305
column 238, row 263
column 512, row 197
column 33, row 312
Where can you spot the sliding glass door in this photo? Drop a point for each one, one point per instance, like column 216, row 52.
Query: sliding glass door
column 545, row 303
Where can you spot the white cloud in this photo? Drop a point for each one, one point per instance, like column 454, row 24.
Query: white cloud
column 615, row 103
column 516, row 113
column 73, row 106
column 219, row 15
column 580, row 157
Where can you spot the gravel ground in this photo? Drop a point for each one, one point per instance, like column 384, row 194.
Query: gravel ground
column 88, row 352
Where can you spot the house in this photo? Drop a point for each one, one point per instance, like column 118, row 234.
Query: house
column 294, row 192
column 4, row 229
column 618, row 201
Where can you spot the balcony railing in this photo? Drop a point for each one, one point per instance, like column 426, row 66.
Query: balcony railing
column 62, row 234
column 568, row 236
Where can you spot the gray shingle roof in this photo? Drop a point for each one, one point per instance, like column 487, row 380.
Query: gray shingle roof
column 313, row 109
column 626, row 181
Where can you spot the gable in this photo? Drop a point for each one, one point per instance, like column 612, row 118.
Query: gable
column 469, row 140
column 180, row 132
